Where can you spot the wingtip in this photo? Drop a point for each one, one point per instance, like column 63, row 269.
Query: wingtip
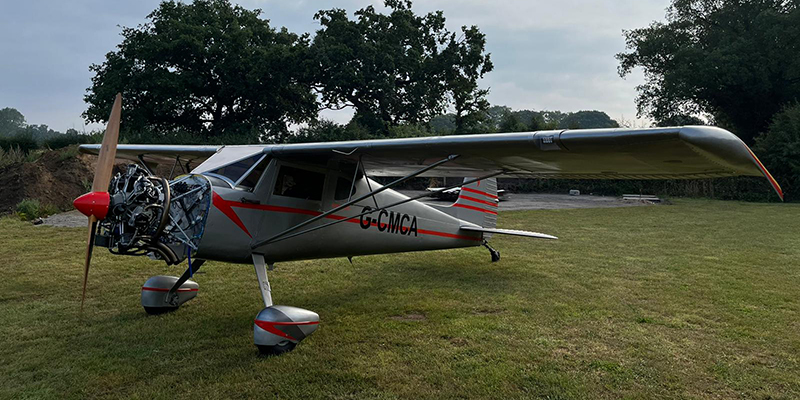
column 775, row 185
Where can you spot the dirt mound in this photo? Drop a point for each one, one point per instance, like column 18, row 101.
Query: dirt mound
column 57, row 178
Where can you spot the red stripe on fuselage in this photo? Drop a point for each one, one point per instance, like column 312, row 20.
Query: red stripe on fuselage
column 475, row 208
column 448, row 235
column 226, row 207
column 489, row 195
column 488, row 203
column 221, row 203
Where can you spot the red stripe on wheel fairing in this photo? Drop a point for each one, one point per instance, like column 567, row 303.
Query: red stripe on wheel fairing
column 156, row 289
column 288, row 323
column 270, row 326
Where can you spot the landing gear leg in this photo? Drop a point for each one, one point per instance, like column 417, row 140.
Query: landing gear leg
column 278, row 329
column 263, row 280
column 161, row 294
column 495, row 254
column 172, row 295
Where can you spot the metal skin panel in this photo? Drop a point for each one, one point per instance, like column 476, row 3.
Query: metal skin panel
column 413, row 226
column 159, row 154
column 652, row 153
column 154, row 291
column 477, row 203
column 240, row 218
column 655, row 153
column 277, row 324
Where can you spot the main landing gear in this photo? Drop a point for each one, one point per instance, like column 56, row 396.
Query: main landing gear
column 278, row 329
column 163, row 293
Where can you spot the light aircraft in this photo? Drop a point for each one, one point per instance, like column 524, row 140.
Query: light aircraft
column 268, row 203
column 443, row 193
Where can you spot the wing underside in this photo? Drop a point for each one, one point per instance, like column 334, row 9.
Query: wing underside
column 656, row 153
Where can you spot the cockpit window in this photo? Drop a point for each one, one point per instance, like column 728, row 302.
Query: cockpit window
column 249, row 182
column 236, row 170
column 342, row 191
column 299, row 183
column 217, row 182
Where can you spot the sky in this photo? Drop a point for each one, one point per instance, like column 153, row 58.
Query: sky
column 547, row 55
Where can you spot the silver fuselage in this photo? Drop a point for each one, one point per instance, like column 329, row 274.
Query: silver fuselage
column 240, row 218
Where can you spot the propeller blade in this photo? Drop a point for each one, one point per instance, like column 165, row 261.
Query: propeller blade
column 95, row 204
column 89, row 248
column 108, row 149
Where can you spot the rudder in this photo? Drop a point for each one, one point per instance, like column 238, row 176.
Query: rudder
column 477, row 203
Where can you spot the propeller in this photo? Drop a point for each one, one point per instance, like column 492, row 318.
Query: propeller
column 95, row 203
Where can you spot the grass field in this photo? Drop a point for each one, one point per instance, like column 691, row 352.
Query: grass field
column 699, row 299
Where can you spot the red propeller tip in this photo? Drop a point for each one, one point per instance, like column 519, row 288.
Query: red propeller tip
column 93, row 204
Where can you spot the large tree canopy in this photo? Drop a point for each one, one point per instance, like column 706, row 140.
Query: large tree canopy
column 399, row 67
column 737, row 61
column 11, row 120
column 206, row 68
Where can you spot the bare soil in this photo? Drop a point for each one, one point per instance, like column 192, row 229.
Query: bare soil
column 56, row 178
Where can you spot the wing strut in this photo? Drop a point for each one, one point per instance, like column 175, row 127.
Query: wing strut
column 369, row 185
column 347, row 204
column 426, row 194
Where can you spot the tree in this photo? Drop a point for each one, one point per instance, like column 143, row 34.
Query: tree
column 512, row 123
column 11, row 121
column 734, row 60
column 208, row 69
column 779, row 149
column 680, row 120
column 587, row 120
column 399, row 68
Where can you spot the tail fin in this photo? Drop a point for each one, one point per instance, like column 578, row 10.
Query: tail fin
column 477, row 203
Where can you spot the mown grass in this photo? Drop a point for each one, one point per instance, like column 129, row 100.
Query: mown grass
column 694, row 300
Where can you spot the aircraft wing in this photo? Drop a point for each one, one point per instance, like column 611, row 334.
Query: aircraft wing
column 653, row 153
column 158, row 153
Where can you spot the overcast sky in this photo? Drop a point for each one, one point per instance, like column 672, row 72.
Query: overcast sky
column 554, row 55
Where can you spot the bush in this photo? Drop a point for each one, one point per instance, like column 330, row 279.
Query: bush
column 11, row 156
column 68, row 153
column 744, row 188
column 30, row 209
column 21, row 141
column 67, row 139
column 329, row 131
column 779, row 148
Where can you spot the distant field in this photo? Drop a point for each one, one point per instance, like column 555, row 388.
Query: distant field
column 700, row 299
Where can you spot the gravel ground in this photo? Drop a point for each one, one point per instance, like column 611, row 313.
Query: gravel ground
column 538, row 201
column 69, row 219
column 515, row 201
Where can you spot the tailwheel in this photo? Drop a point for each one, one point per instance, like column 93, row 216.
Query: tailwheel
column 495, row 254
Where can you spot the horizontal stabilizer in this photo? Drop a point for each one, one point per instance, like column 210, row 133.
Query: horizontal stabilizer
column 507, row 232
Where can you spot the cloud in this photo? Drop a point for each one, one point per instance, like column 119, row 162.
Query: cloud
column 547, row 55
